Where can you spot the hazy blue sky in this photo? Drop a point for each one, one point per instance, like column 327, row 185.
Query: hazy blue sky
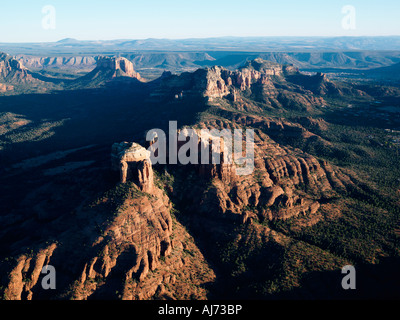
column 21, row 21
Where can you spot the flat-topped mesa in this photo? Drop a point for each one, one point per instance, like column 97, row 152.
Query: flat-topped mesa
column 263, row 66
column 121, row 67
column 133, row 162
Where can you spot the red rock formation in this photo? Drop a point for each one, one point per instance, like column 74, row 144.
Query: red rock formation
column 133, row 162
column 141, row 249
column 5, row 88
column 12, row 72
column 285, row 183
column 119, row 66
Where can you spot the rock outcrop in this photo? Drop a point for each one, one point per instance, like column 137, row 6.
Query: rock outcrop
column 5, row 87
column 10, row 67
column 26, row 273
column 133, row 162
column 108, row 70
column 12, row 73
column 141, row 253
column 117, row 67
column 211, row 154
column 124, row 244
column 15, row 78
column 270, row 83
column 285, row 182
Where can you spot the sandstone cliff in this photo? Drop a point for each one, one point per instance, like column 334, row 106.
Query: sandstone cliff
column 269, row 83
column 117, row 67
column 5, row 87
column 285, row 183
column 15, row 78
column 59, row 62
column 12, row 73
column 135, row 241
column 125, row 245
column 133, row 162
column 108, row 69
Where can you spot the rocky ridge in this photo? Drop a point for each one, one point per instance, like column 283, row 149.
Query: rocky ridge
column 128, row 244
column 260, row 81
column 12, row 73
column 285, row 183
column 60, row 62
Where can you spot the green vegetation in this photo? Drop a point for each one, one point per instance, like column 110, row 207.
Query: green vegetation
column 257, row 260
column 363, row 234
column 114, row 198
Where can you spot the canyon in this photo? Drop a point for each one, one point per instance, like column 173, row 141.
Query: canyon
column 116, row 226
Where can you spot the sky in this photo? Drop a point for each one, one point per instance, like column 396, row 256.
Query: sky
column 52, row 20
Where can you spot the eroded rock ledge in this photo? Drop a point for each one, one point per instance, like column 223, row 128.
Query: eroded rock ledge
column 133, row 162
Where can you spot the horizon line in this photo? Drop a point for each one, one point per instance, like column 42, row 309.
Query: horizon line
column 202, row 38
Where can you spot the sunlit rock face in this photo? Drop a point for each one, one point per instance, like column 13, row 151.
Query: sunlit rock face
column 133, row 162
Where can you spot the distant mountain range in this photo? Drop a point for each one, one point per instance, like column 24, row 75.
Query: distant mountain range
column 24, row 73
column 151, row 57
column 244, row 44
column 152, row 64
